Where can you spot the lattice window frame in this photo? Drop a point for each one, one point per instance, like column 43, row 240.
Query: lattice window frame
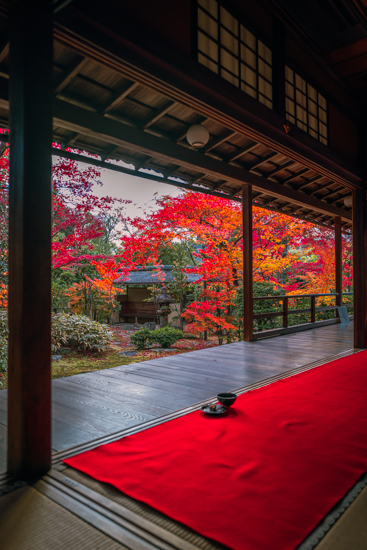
column 305, row 106
column 228, row 48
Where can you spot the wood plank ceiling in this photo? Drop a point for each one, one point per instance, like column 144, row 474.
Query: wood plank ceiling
column 90, row 97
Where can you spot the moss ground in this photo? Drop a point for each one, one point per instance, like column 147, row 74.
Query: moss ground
column 79, row 362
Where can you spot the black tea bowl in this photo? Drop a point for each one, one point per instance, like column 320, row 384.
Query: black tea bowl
column 227, row 399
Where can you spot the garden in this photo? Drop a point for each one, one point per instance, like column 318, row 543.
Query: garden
column 96, row 244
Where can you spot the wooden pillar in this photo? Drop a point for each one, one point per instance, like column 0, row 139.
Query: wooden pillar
column 338, row 261
column 247, row 263
column 360, row 268
column 29, row 397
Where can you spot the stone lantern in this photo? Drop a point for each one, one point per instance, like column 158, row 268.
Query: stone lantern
column 164, row 301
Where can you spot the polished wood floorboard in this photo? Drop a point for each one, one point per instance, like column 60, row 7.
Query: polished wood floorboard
column 91, row 405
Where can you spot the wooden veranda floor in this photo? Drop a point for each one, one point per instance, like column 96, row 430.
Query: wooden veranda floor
column 129, row 398
column 93, row 405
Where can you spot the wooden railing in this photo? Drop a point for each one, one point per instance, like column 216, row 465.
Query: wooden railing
column 285, row 313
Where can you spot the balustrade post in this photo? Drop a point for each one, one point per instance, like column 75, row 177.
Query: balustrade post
column 285, row 312
column 313, row 309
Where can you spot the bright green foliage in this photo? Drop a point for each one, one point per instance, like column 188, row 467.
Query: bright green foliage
column 4, row 332
column 267, row 306
column 141, row 338
column 166, row 336
column 79, row 331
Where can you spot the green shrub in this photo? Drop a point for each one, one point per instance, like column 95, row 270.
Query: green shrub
column 166, row 336
column 4, row 329
column 4, row 332
column 79, row 331
column 141, row 338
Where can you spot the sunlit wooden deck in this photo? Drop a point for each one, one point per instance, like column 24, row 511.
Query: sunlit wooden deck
column 93, row 405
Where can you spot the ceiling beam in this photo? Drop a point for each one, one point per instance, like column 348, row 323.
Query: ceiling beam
column 159, row 113
column 219, row 140
column 4, row 52
column 102, row 128
column 71, row 71
column 119, row 97
column 309, row 182
column 242, row 152
column 178, row 79
column 60, row 4
column 259, row 161
column 279, row 169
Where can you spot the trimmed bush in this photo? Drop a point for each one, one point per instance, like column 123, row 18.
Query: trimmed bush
column 4, row 333
column 166, row 336
column 79, row 331
column 141, row 338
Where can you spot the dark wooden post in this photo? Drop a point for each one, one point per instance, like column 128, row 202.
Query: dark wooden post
column 359, row 268
column 285, row 312
column 338, row 263
column 29, row 398
column 247, row 263
column 205, row 331
column 313, row 309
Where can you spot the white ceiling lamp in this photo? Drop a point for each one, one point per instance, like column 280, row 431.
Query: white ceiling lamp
column 348, row 201
column 197, row 136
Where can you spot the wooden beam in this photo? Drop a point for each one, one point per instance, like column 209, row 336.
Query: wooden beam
column 86, row 122
column 119, row 97
column 279, row 169
column 242, row 152
column 248, row 307
column 159, row 113
column 71, row 71
column 338, row 261
column 70, row 142
column 108, row 153
column 60, row 4
column 296, row 175
column 177, row 78
column 259, row 161
column 29, row 398
column 4, row 52
column 218, row 140
column 309, row 182
column 360, row 268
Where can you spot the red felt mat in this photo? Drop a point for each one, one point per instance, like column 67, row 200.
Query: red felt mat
column 263, row 476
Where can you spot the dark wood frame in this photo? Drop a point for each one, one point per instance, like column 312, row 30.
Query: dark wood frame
column 29, row 397
column 31, row 94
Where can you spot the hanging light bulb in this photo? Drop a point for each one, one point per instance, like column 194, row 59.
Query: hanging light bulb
column 197, row 135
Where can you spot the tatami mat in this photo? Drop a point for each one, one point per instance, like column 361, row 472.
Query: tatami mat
column 350, row 531
column 31, row 521
column 144, row 511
